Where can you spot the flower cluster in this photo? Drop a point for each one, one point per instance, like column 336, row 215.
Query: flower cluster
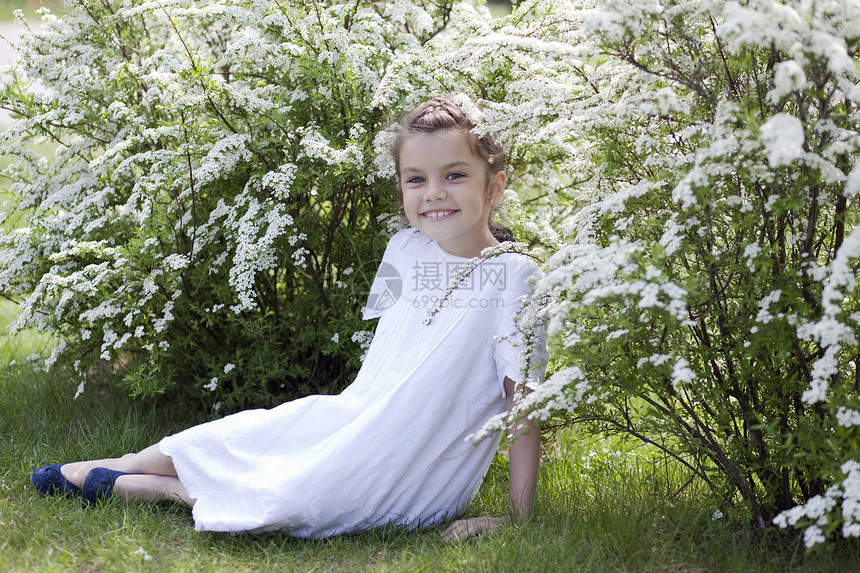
column 816, row 512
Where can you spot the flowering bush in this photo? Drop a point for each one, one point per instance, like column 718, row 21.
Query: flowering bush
column 221, row 190
column 214, row 208
column 705, row 299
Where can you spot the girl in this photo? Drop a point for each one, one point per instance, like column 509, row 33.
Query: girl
column 392, row 448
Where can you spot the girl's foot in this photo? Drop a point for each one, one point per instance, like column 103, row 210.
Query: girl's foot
column 99, row 484
column 49, row 480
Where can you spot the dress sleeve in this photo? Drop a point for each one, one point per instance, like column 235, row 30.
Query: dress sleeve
column 387, row 285
column 510, row 351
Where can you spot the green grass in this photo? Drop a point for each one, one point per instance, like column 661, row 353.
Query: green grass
column 597, row 510
column 29, row 7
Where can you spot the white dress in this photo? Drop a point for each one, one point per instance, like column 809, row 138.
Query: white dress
column 392, row 447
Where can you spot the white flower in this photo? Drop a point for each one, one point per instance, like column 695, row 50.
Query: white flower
column 847, row 417
column 229, row 367
column 717, row 515
column 682, row 373
column 212, row 384
column 813, row 535
column 788, row 77
column 764, row 315
column 142, row 551
column 363, row 338
column 335, row 338
column 751, row 252
column 783, row 139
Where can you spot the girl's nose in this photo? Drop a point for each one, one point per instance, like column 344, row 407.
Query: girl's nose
column 433, row 191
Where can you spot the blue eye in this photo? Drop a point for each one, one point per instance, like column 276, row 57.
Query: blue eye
column 415, row 179
column 455, row 175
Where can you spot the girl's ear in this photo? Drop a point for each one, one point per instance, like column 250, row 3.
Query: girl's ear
column 496, row 187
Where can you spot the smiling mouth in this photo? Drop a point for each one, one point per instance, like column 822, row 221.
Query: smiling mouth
column 437, row 214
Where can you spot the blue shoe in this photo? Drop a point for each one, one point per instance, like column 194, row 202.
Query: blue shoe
column 99, row 484
column 49, row 480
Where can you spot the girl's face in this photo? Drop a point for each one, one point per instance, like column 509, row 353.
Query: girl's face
column 446, row 194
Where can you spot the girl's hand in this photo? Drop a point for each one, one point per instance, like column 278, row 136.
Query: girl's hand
column 464, row 529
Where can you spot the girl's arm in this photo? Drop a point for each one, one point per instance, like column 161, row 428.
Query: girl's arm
column 524, row 454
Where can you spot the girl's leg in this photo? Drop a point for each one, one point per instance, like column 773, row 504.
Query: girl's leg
column 152, row 476
column 149, row 461
column 152, row 488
